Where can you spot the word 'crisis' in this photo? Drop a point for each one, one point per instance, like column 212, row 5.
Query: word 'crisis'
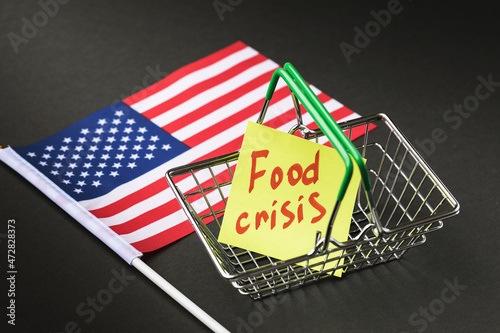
column 290, row 212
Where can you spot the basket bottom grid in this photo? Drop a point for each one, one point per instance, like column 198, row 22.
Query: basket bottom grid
column 364, row 254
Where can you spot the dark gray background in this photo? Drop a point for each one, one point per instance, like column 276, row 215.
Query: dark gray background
column 92, row 53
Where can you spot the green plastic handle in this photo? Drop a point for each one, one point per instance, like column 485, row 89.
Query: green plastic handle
column 331, row 123
column 325, row 126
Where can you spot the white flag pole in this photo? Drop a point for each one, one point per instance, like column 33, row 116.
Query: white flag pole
column 178, row 296
column 103, row 232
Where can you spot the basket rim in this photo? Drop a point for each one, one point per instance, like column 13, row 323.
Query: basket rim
column 386, row 232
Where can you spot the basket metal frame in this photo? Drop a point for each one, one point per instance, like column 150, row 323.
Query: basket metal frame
column 407, row 201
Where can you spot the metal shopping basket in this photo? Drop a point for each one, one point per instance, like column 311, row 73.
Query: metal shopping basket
column 399, row 201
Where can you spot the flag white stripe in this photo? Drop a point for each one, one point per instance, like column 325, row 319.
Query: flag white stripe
column 213, row 93
column 138, row 209
column 221, row 113
column 163, row 196
column 194, row 78
column 171, row 220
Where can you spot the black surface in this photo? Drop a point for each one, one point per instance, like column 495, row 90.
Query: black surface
column 91, row 53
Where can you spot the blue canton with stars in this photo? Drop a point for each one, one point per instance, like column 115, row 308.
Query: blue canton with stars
column 104, row 150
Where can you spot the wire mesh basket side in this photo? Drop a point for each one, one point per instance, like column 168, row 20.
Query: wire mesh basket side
column 407, row 199
column 406, row 192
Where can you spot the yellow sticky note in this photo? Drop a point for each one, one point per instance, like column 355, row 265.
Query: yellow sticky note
column 283, row 191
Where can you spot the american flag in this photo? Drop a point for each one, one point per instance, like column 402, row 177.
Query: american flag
column 113, row 162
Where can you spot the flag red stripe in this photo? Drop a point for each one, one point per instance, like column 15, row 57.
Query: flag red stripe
column 147, row 218
column 181, row 72
column 232, row 120
column 359, row 131
column 161, row 211
column 218, row 103
column 202, row 86
column 168, row 236
column 131, row 199
column 341, row 113
column 165, row 237
column 289, row 115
